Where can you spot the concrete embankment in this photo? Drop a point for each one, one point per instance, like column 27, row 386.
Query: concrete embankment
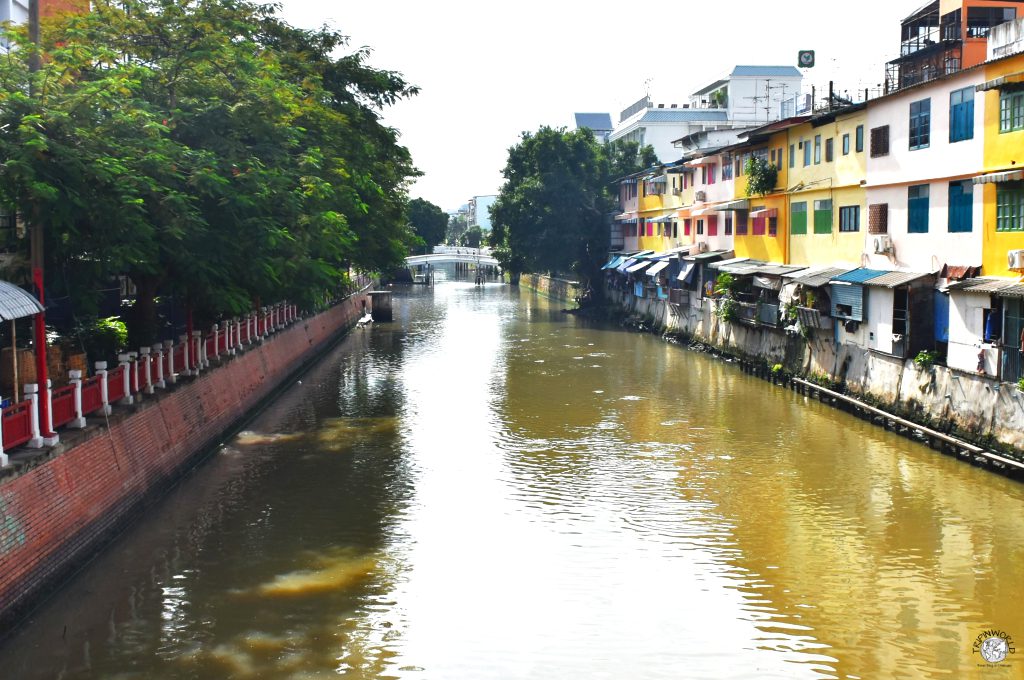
column 976, row 408
column 58, row 513
column 556, row 289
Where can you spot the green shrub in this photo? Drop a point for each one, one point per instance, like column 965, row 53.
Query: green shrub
column 726, row 310
column 925, row 359
column 777, row 369
column 103, row 339
column 1020, row 384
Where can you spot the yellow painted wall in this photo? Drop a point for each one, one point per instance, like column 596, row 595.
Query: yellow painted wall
column 767, row 248
column 822, row 249
column 1002, row 151
column 995, row 244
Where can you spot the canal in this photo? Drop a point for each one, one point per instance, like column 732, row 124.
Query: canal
column 489, row 488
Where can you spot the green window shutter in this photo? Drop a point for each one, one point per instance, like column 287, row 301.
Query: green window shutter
column 823, row 217
column 798, row 218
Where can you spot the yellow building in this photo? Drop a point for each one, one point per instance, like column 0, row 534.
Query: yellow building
column 760, row 233
column 1003, row 183
column 656, row 210
column 826, row 164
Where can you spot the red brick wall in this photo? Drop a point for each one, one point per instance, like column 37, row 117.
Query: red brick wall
column 56, row 515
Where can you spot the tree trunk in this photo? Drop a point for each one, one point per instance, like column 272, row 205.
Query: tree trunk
column 143, row 326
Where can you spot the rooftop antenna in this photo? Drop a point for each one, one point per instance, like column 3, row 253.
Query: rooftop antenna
column 767, row 99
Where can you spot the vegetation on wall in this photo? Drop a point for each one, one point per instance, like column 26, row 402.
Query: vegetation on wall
column 761, row 176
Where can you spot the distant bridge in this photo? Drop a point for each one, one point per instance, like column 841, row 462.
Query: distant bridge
column 451, row 255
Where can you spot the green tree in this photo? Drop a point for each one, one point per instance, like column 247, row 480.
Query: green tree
column 553, row 211
column 206, row 149
column 428, row 221
column 472, row 238
column 457, row 225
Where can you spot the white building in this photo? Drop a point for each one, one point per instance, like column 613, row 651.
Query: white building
column 598, row 123
column 751, row 94
column 479, row 212
column 15, row 11
column 659, row 127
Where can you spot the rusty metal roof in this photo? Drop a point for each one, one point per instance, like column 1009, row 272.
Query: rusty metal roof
column 17, row 303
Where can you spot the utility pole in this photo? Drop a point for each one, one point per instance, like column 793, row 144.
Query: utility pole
column 36, row 246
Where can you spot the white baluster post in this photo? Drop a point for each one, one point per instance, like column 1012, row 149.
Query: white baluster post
column 147, row 369
column 101, row 371
column 76, row 379
column 125, row 360
column 32, row 392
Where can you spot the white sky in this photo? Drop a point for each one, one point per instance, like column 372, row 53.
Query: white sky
column 490, row 70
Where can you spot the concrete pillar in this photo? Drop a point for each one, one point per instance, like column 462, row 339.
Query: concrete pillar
column 101, row 371
column 133, row 373
column 186, row 369
column 160, row 382
column 147, row 368
column 32, row 392
column 200, row 352
column 216, row 340
column 76, row 379
column 125, row 360
column 53, row 438
column 236, row 334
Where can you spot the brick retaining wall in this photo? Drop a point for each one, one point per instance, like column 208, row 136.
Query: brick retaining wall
column 56, row 515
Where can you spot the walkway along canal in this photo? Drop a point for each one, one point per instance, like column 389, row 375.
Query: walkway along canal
column 488, row 488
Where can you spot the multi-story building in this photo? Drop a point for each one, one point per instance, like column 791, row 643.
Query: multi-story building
column 598, row 123
column 478, row 212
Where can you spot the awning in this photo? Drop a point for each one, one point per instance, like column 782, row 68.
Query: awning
column 662, row 219
column 959, row 272
column 999, row 82
column 768, row 282
column 709, row 256
column 895, row 279
column 683, row 213
column 623, row 217
column 17, row 303
column 742, row 204
column 658, row 266
column 687, row 272
column 657, row 179
column 633, row 268
column 615, row 262
column 702, row 211
column 997, row 177
column 764, row 212
column 817, row 277
column 859, row 275
column 622, row 267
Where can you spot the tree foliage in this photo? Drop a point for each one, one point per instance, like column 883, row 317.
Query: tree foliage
column 761, row 176
column 428, row 221
column 206, row 149
column 552, row 213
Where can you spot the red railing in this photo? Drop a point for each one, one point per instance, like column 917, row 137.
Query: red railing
column 222, row 341
column 179, row 359
column 17, row 424
column 115, row 385
column 62, row 405
column 211, row 349
column 92, row 395
column 166, row 359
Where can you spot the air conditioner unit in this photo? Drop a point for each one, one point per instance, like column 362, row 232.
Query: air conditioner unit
column 700, row 196
column 883, row 244
column 1015, row 260
column 702, row 246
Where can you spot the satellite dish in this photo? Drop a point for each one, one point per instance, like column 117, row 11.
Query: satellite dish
column 805, row 58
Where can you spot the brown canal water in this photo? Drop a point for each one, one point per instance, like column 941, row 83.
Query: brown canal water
column 487, row 488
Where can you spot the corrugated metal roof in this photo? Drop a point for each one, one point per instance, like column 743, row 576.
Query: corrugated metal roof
column 17, row 303
column 763, row 71
column 779, row 269
column 1013, row 290
column 684, row 115
column 598, row 122
column 859, row 275
column 817, row 277
column 895, row 279
column 990, row 285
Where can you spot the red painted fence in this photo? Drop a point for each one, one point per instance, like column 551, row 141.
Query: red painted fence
column 115, row 385
column 62, row 404
column 17, row 424
column 92, row 395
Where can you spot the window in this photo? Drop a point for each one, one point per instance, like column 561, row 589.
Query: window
column 920, row 124
column 687, row 227
column 860, row 138
column 704, row 174
column 779, row 155
column 728, row 225
column 807, row 152
column 823, row 217
column 829, row 151
column 757, row 224
column 1010, row 206
column 880, row 141
column 773, row 226
column 772, row 161
column 700, row 227
column 961, row 206
column 817, row 149
column 917, row 209
column 849, row 218
column 741, row 223
column 798, row 218
column 792, row 155
column 961, row 115
column 712, row 171
column 1011, row 111
column 846, row 144
column 726, row 171
column 712, row 225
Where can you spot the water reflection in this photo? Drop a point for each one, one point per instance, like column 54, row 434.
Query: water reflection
column 488, row 488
